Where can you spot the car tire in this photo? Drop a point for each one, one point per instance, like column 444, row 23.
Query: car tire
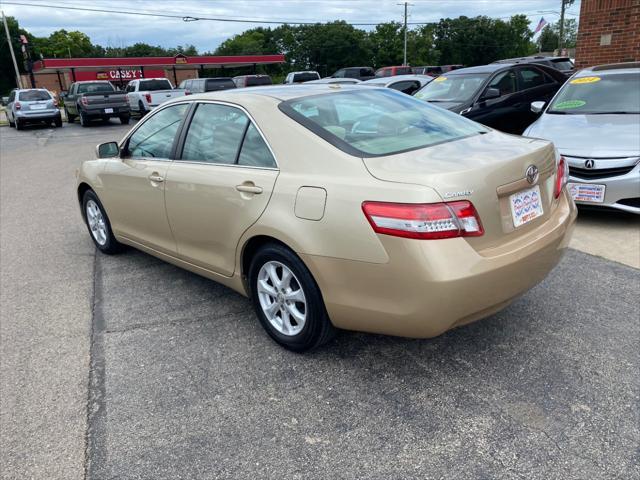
column 19, row 125
column 124, row 119
column 287, row 299
column 70, row 118
column 12, row 124
column 141, row 109
column 84, row 119
column 58, row 122
column 98, row 224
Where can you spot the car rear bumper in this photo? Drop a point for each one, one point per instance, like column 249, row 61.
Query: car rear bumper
column 38, row 115
column 622, row 192
column 100, row 112
column 429, row 287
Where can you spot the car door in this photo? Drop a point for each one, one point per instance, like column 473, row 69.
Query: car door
column 498, row 112
column 534, row 85
column 218, row 186
column 133, row 187
column 10, row 105
column 70, row 100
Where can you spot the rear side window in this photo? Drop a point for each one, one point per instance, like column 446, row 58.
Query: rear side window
column 305, row 77
column 254, row 81
column 151, row 85
column 366, row 72
column 33, row 95
column 377, row 122
column 531, row 78
column 215, row 134
column 254, row 152
column 404, row 71
column 155, row 136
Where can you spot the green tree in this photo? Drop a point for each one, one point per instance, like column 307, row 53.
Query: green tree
column 548, row 40
column 62, row 43
column 7, row 72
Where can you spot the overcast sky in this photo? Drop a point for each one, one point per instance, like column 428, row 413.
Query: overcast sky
column 110, row 29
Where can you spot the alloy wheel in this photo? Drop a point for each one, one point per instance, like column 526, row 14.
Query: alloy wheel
column 281, row 298
column 96, row 222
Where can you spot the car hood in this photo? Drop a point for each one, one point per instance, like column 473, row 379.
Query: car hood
column 589, row 135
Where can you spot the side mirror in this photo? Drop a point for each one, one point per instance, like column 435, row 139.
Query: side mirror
column 536, row 107
column 107, row 150
column 491, row 93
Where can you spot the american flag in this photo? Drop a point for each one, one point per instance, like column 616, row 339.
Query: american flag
column 541, row 25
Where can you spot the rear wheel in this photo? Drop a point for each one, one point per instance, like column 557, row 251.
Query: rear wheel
column 70, row 118
column 124, row 119
column 98, row 224
column 141, row 109
column 58, row 122
column 19, row 125
column 12, row 124
column 84, row 119
column 287, row 300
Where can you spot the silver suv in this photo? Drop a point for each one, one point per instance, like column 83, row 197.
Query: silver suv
column 32, row 105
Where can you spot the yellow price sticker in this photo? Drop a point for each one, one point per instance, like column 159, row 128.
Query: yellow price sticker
column 578, row 81
column 440, row 79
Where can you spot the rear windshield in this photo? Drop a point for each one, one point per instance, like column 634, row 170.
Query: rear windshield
column 219, row 84
column 305, row 77
column 562, row 64
column 616, row 93
column 377, row 122
column 95, row 87
column 151, row 85
column 454, row 88
column 253, row 81
column 34, row 95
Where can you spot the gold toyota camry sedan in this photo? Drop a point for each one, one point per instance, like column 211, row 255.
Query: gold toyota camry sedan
column 335, row 207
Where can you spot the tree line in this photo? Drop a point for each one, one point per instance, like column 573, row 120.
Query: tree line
column 323, row 47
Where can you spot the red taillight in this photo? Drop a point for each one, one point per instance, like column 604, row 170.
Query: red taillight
column 562, row 175
column 17, row 105
column 148, row 97
column 424, row 220
column 187, row 92
column 84, row 101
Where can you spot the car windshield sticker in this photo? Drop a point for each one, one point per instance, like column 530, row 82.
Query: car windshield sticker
column 577, row 81
column 440, row 79
column 568, row 104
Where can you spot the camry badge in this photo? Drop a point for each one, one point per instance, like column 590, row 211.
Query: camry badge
column 532, row 174
column 590, row 163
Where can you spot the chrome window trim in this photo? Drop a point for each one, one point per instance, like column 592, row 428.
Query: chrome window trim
column 255, row 124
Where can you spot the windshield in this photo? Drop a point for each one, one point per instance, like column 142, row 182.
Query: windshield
column 34, row 95
column 95, row 87
column 562, row 64
column 151, row 85
column 305, row 77
column 369, row 123
column 453, row 88
column 614, row 93
column 219, row 84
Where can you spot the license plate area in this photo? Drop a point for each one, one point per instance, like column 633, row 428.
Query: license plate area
column 587, row 192
column 108, row 110
column 38, row 107
column 526, row 205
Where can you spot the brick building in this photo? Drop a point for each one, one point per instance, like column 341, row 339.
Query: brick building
column 609, row 32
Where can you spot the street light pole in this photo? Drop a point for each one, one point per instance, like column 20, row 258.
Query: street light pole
column 13, row 55
column 406, row 5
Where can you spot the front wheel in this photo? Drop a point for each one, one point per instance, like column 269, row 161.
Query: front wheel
column 98, row 224
column 287, row 300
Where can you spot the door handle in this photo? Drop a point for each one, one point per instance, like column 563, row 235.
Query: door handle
column 249, row 187
column 154, row 177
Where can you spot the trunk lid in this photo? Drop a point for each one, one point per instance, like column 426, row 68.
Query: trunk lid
column 105, row 99
column 484, row 169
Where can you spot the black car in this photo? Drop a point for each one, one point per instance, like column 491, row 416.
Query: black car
column 563, row 64
column 202, row 85
column 361, row 73
column 496, row 95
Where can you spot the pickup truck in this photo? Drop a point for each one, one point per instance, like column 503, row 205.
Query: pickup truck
column 94, row 99
column 146, row 94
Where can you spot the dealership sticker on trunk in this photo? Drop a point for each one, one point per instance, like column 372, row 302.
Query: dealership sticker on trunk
column 587, row 192
column 526, row 205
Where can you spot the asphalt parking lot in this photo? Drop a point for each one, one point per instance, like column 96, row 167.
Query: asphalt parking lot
column 125, row 367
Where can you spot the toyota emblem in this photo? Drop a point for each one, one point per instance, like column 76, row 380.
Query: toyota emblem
column 532, row 174
column 590, row 163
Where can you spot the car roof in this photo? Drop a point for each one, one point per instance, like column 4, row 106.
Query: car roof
column 278, row 92
column 397, row 78
column 92, row 81
column 491, row 68
column 612, row 68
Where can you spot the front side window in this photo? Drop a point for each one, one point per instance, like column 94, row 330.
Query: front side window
column 154, row 138
column 454, row 88
column 377, row 122
column 595, row 94
column 504, row 82
column 340, row 73
column 531, row 78
column 215, row 134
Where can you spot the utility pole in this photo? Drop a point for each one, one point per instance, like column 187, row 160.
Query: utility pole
column 565, row 3
column 406, row 5
column 13, row 55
